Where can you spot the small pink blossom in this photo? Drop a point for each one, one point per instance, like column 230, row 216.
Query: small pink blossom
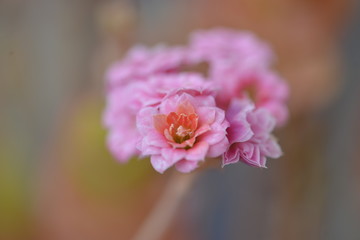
column 239, row 64
column 250, row 135
column 266, row 88
column 142, row 62
column 184, row 129
column 228, row 45
column 119, row 118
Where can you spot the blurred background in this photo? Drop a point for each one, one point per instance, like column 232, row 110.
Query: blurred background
column 58, row 181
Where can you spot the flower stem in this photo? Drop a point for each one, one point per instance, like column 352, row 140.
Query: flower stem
column 161, row 216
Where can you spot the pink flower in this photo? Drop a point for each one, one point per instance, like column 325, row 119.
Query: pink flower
column 228, row 45
column 239, row 64
column 142, row 62
column 184, row 129
column 119, row 118
column 264, row 87
column 250, row 135
column 124, row 102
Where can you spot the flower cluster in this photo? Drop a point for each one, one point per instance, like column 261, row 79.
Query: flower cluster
column 159, row 105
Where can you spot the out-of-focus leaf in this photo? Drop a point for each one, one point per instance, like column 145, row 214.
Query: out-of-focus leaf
column 89, row 161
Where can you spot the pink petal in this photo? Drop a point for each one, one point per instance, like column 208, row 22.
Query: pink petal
column 250, row 154
column 238, row 107
column 219, row 148
column 213, row 137
column 239, row 131
column 232, row 155
column 278, row 110
column 185, row 107
column 271, row 148
column 144, row 120
column 263, row 161
column 150, row 150
column 159, row 163
column 160, row 122
column 201, row 130
column 198, row 152
column 172, row 155
column 206, row 115
column 186, row 166
column 156, row 139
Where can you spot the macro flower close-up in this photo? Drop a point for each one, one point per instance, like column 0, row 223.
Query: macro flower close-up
column 173, row 120
column 182, row 117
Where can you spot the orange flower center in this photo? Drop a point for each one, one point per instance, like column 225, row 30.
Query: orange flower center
column 178, row 126
column 181, row 126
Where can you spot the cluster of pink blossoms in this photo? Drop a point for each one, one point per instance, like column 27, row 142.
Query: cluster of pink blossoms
column 181, row 118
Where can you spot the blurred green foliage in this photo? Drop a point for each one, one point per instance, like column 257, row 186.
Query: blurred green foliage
column 94, row 170
column 14, row 192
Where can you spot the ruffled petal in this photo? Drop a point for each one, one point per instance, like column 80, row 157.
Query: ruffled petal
column 198, row 152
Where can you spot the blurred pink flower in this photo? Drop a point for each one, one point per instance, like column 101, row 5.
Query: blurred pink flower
column 124, row 102
column 119, row 118
column 184, row 129
column 239, row 64
column 142, row 62
column 263, row 86
column 228, row 45
column 250, row 135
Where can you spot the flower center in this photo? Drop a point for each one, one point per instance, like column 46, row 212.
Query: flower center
column 181, row 126
column 178, row 127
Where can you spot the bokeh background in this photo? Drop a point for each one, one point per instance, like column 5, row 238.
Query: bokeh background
column 58, row 181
